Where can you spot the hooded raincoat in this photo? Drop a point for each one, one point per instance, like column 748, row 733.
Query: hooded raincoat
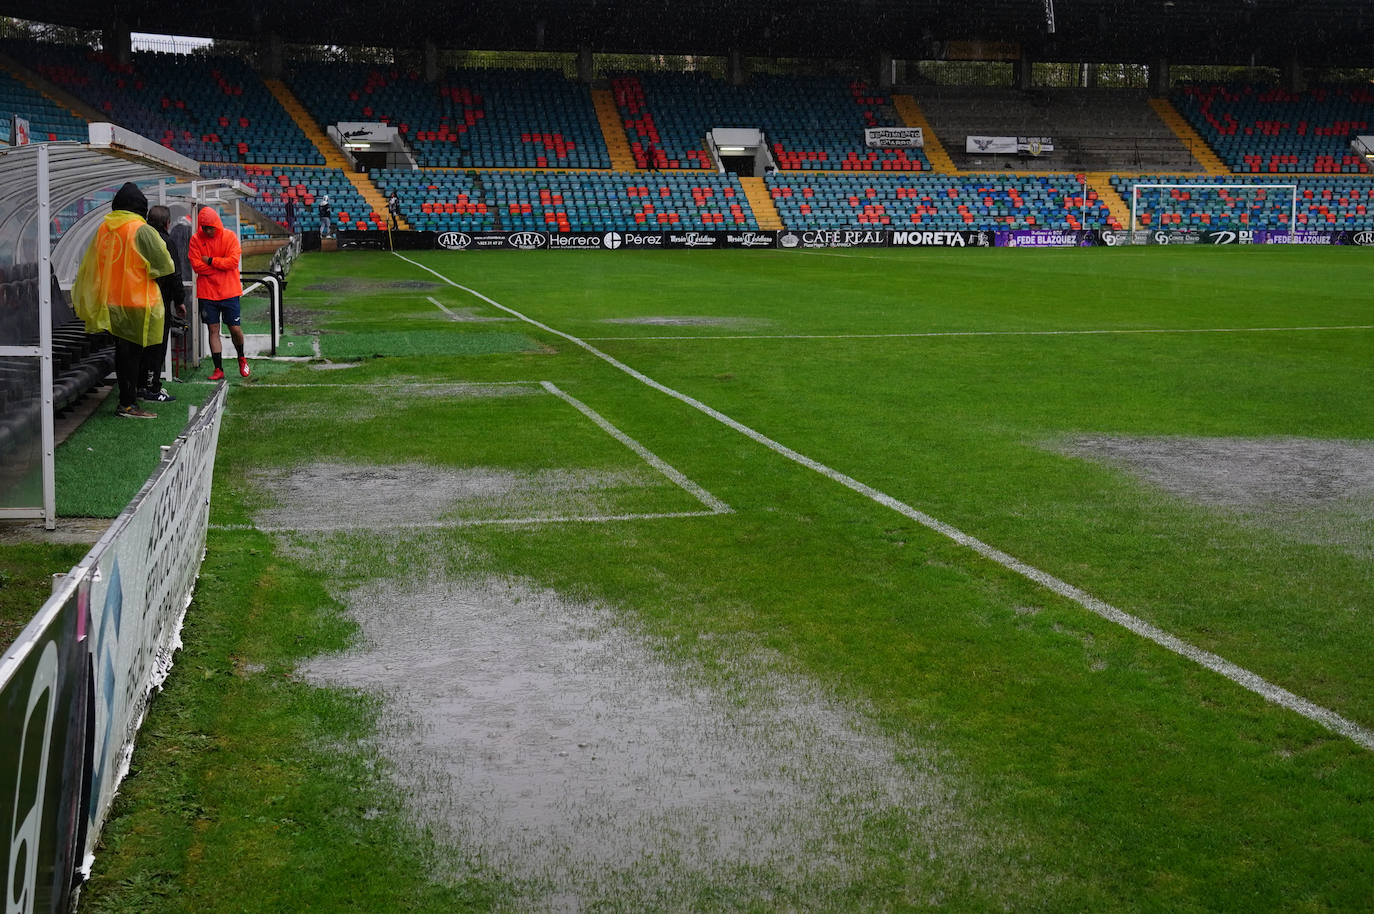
column 116, row 289
column 218, row 278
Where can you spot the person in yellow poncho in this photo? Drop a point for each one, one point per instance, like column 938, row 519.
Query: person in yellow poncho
column 116, row 292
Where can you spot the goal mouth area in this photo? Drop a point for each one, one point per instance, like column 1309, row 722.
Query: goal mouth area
column 1286, row 194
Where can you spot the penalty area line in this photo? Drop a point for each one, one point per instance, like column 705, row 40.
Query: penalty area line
column 1246, row 679
column 964, row 333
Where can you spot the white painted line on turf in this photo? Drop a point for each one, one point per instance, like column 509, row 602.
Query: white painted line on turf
column 959, row 333
column 1214, row 662
column 706, row 498
column 404, row 385
column 438, row 304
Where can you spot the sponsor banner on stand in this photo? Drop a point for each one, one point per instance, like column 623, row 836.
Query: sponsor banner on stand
column 634, row 241
column 1163, row 237
column 575, row 241
column 1341, row 238
column 1009, row 145
column 751, row 239
column 949, row 239
column 841, row 238
column 138, row 581
column 691, row 240
column 1046, row 238
column 894, row 137
column 488, row 240
column 990, row 145
column 43, row 688
column 1120, row 238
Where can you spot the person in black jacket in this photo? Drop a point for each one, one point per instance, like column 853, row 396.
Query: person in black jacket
column 174, row 301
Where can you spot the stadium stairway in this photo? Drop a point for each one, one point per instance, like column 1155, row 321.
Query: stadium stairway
column 761, row 202
column 912, row 116
column 1189, row 137
column 613, row 131
column 333, row 158
column 1101, row 181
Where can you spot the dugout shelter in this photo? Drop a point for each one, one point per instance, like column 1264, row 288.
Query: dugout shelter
column 52, row 198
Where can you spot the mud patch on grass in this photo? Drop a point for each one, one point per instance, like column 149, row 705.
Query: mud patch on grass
column 569, row 754
column 668, row 321
column 333, row 366
column 1313, row 490
column 344, row 496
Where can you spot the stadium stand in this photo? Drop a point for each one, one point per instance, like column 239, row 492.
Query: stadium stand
column 47, row 121
column 1325, row 203
column 1092, row 129
column 1268, row 130
column 495, row 118
column 275, row 183
column 811, row 123
column 570, row 202
column 939, row 202
column 211, row 109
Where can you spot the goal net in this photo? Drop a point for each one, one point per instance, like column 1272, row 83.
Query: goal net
column 1223, row 213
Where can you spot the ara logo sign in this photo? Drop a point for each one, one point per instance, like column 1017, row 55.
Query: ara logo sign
column 527, row 241
column 454, row 241
column 1362, row 238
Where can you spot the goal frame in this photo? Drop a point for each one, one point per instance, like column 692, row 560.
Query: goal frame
column 1292, row 203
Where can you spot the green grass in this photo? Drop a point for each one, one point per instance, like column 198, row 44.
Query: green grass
column 1123, row 777
column 101, row 467
column 26, row 571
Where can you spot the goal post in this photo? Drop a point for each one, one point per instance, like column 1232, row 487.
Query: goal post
column 1283, row 195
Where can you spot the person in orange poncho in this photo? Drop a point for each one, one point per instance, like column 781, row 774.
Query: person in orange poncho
column 214, row 254
column 116, row 290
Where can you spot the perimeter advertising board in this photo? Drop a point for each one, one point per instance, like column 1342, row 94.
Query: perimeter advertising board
column 589, row 241
column 843, row 238
column 44, row 682
column 1047, row 238
column 140, row 576
column 488, row 240
column 937, row 239
column 75, row 684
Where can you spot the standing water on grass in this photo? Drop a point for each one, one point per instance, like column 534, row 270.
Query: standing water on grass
column 576, row 761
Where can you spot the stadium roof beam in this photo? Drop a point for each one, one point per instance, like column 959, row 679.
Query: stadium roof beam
column 1340, row 32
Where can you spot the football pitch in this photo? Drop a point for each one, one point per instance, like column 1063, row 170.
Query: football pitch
column 852, row 580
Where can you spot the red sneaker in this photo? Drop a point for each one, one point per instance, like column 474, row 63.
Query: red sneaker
column 217, row 375
column 243, row 367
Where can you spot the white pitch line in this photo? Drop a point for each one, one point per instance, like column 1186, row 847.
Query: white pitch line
column 706, row 498
column 401, row 385
column 961, row 333
column 1214, row 662
column 440, row 305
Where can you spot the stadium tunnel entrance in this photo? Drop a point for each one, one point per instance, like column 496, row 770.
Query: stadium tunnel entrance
column 741, row 151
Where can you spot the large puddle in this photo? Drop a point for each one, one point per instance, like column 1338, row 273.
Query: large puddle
column 344, row 496
column 579, row 761
column 1311, row 490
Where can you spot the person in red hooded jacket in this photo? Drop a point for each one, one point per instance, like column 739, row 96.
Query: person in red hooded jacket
column 214, row 254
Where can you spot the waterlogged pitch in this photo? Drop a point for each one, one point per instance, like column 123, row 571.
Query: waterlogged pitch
column 871, row 580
